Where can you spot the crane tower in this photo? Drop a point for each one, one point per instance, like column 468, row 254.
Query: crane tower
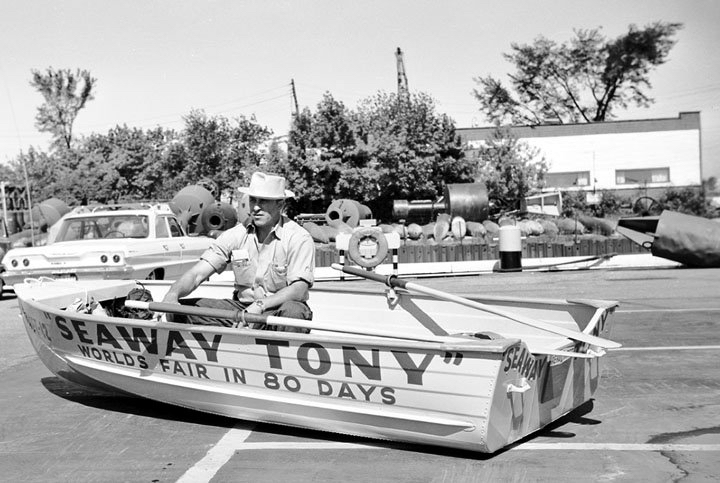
column 401, row 77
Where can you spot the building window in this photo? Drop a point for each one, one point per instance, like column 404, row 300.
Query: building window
column 568, row 179
column 642, row 176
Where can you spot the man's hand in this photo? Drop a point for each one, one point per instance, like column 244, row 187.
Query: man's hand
column 255, row 308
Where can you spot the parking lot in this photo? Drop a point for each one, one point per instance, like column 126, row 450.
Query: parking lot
column 655, row 417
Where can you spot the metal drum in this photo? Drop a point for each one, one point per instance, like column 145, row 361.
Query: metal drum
column 347, row 211
column 466, row 200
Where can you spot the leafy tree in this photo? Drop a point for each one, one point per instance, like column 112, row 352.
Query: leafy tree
column 47, row 174
column 389, row 148
column 583, row 80
column 406, row 150
column 222, row 151
column 510, row 169
column 125, row 164
column 65, row 94
column 320, row 145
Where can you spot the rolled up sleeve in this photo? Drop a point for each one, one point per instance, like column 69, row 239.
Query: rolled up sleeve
column 301, row 262
column 219, row 253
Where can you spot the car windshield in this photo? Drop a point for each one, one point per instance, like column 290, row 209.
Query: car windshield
column 104, row 226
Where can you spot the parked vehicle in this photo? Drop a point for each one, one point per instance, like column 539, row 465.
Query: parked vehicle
column 130, row 241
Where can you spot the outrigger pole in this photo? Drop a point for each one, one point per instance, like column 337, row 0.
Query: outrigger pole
column 394, row 282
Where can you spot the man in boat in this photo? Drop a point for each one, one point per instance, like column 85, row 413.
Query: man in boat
column 272, row 258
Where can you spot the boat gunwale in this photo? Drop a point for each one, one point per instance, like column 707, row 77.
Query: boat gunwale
column 450, row 342
column 465, row 344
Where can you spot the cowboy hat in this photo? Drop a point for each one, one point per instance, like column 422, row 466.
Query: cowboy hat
column 268, row 187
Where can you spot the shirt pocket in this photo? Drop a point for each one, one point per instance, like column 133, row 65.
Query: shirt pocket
column 244, row 270
column 276, row 277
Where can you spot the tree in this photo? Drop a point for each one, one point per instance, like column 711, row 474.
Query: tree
column 223, row 151
column 65, row 93
column 124, row 165
column 44, row 173
column 408, row 151
column 388, row 148
column 321, row 145
column 583, row 80
column 510, row 169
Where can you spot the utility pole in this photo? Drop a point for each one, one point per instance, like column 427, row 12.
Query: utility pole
column 401, row 77
column 294, row 96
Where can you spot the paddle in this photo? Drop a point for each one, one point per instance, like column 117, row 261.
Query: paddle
column 393, row 281
column 448, row 342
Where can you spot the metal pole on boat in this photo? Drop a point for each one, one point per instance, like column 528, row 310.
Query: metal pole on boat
column 395, row 282
column 446, row 343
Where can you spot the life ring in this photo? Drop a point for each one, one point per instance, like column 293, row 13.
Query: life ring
column 362, row 235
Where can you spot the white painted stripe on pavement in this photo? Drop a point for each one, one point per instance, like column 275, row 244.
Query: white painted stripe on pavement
column 205, row 469
column 668, row 348
column 639, row 311
column 617, row 447
column 297, row 445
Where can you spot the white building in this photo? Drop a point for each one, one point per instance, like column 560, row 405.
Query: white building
column 644, row 155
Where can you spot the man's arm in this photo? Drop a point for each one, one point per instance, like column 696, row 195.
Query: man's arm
column 297, row 290
column 189, row 281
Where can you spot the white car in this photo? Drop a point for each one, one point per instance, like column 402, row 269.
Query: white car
column 136, row 241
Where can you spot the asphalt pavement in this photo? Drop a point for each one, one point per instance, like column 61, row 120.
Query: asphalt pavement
column 655, row 416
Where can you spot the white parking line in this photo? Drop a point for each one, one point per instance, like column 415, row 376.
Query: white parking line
column 617, row 447
column 668, row 348
column 234, row 441
column 218, row 455
column 640, row 311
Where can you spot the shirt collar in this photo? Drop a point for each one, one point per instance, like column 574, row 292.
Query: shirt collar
column 277, row 230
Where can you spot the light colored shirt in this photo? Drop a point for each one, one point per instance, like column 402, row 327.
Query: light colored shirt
column 260, row 269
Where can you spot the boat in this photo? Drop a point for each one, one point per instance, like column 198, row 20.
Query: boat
column 402, row 362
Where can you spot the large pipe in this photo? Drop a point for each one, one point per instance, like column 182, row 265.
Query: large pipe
column 467, row 200
column 691, row 240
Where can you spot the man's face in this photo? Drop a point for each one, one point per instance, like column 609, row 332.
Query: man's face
column 265, row 212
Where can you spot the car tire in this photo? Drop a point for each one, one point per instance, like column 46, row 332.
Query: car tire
column 156, row 274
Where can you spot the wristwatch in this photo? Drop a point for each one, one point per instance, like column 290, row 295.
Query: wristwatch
column 260, row 304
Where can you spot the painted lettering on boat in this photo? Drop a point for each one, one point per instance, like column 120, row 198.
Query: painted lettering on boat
column 181, row 368
column 365, row 392
column 524, row 362
column 366, row 361
column 356, row 391
column 39, row 327
column 313, row 368
column 119, row 358
column 137, row 339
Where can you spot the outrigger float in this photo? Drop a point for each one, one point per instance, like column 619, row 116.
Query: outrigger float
column 410, row 364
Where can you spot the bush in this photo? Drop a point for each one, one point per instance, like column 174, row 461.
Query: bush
column 689, row 201
column 575, row 203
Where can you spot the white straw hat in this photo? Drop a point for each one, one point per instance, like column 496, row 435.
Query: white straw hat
column 268, row 187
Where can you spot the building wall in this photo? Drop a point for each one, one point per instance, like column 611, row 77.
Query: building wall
column 645, row 151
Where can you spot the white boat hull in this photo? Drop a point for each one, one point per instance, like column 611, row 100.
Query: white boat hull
column 430, row 388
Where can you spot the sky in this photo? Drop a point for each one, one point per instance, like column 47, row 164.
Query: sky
column 156, row 60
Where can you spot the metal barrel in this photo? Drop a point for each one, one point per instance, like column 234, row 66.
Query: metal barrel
column 468, row 200
column 349, row 212
column 510, row 248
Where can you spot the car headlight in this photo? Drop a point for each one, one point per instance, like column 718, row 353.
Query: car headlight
column 26, row 262
column 14, row 263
